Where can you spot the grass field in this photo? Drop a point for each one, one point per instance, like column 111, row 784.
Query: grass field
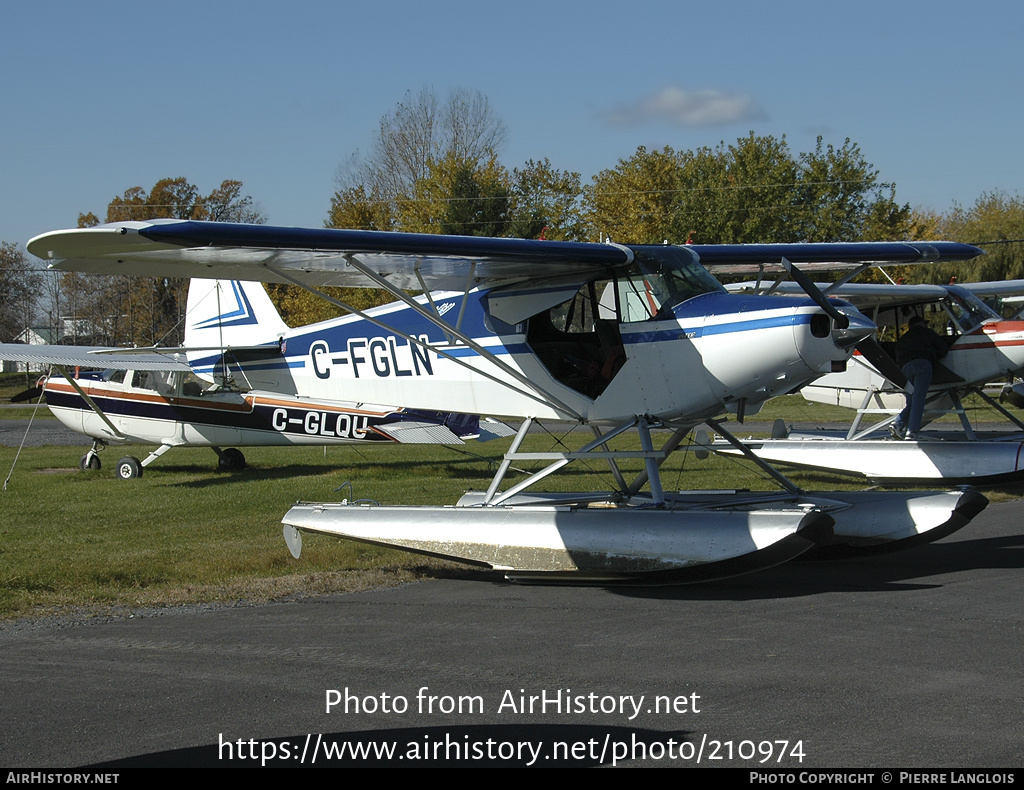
column 186, row 532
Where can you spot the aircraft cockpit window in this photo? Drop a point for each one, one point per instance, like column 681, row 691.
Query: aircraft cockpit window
column 114, row 376
column 966, row 310
column 192, row 385
column 661, row 278
column 579, row 340
column 162, row 381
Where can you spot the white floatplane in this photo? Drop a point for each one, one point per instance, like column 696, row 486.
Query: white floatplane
column 983, row 348
column 120, row 396
column 619, row 338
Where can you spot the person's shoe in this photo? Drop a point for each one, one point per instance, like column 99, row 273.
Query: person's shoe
column 896, row 431
column 912, row 437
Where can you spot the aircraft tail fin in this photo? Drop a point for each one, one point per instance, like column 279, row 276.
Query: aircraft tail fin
column 222, row 314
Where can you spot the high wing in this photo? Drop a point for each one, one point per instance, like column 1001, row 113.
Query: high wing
column 327, row 257
column 730, row 259
column 864, row 296
column 91, row 357
column 996, row 289
column 868, row 297
column 178, row 248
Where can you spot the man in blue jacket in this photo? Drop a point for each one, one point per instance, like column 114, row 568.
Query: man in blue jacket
column 917, row 351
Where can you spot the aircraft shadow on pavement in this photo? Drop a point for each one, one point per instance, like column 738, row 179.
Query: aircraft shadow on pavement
column 894, row 572
column 914, row 569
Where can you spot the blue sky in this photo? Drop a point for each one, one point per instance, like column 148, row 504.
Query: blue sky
column 98, row 97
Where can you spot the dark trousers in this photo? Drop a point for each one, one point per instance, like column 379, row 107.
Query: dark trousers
column 919, row 378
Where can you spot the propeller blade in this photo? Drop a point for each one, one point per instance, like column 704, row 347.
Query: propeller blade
column 812, row 290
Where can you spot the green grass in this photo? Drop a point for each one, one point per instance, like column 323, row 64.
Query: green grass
column 797, row 409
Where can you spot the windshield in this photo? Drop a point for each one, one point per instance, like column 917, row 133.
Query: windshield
column 967, row 309
column 660, row 278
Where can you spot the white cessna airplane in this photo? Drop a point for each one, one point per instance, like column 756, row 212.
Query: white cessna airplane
column 983, row 348
column 620, row 338
column 155, row 397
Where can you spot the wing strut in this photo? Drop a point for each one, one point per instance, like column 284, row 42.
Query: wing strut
column 776, row 475
column 545, row 396
column 430, row 298
column 850, row 275
column 92, row 404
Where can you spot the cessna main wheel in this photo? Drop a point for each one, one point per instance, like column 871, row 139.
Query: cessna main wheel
column 231, row 459
column 128, row 468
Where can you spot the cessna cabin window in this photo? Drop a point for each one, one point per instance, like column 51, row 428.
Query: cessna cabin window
column 160, row 381
column 579, row 341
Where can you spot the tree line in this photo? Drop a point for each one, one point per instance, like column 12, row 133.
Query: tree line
column 434, row 166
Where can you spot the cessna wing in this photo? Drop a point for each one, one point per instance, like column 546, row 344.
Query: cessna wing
column 738, row 259
column 180, row 248
column 866, row 297
column 329, row 257
column 995, row 289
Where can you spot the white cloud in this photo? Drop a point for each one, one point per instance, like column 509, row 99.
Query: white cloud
column 688, row 108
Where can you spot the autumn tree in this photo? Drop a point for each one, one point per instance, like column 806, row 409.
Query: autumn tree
column 142, row 311
column 458, row 197
column 545, row 200
column 995, row 222
column 842, row 199
column 432, row 168
column 737, row 193
column 753, row 190
column 633, row 202
column 19, row 288
column 178, row 198
column 421, row 132
column 701, row 206
column 352, row 208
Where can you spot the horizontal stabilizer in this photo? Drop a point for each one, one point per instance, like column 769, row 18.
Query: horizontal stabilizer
column 494, row 429
column 419, row 433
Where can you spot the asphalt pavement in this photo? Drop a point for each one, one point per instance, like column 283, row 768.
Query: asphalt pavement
column 906, row 660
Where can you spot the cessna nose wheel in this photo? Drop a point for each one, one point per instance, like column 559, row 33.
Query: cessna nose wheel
column 90, row 463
